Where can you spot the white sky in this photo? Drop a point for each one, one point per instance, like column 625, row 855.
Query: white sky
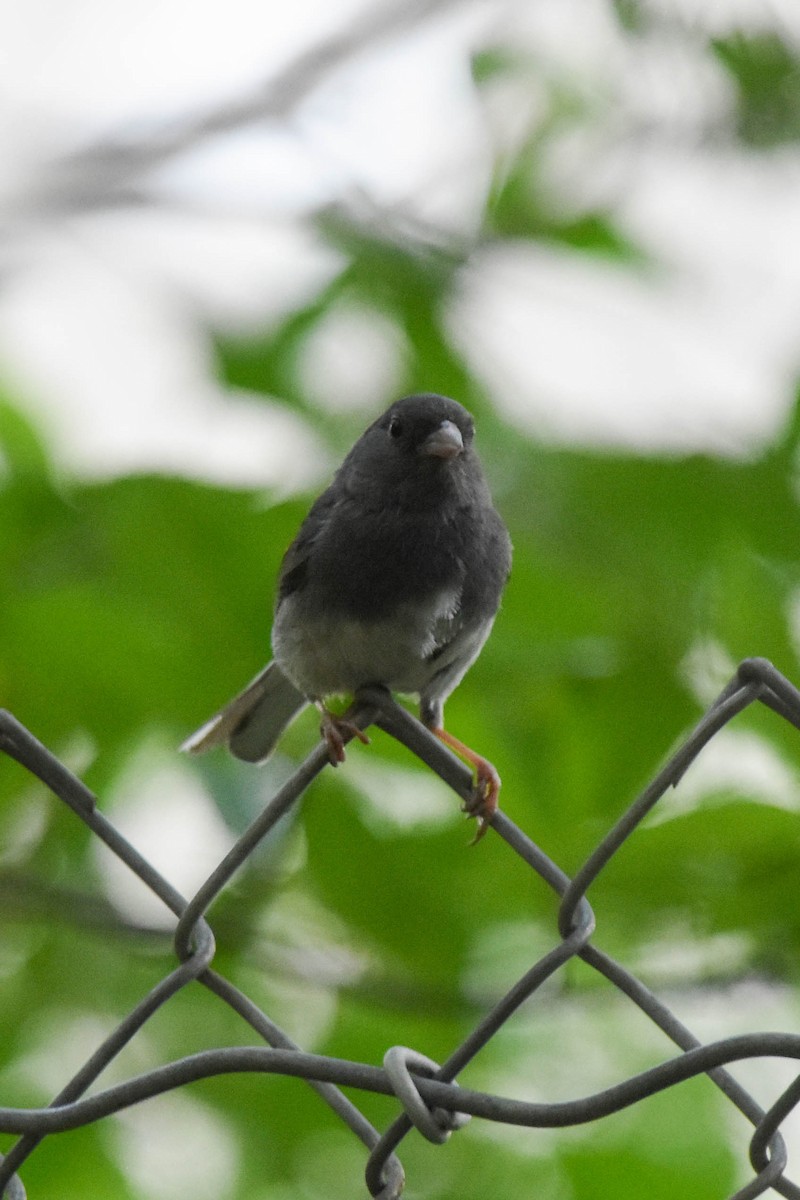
column 104, row 315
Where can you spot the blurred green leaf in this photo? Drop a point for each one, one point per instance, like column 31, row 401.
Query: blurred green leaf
column 767, row 73
column 491, row 61
column 629, row 14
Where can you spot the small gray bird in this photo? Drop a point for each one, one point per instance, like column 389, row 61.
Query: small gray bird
column 394, row 578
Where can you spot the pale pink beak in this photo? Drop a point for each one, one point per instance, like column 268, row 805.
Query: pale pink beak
column 444, row 442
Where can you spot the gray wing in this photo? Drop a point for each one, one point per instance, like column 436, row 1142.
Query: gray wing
column 449, row 664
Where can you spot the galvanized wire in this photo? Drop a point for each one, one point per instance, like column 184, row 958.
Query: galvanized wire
column 428, row 1094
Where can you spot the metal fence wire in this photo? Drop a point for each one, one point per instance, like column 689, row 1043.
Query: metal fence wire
column 428, row 1095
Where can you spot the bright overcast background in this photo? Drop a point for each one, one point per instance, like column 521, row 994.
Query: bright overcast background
column 111, row 279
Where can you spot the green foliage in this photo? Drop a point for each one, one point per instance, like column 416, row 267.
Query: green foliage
column 131, row 608
column 629, row 14
column 766, row 70
column 141, row 603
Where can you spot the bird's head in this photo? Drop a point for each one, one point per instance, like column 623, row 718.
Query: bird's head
column 418, row 450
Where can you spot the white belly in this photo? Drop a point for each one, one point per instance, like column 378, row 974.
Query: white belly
column 331, row 654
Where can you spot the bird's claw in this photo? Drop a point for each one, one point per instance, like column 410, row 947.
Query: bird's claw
column 337, row 731
column 482, row 804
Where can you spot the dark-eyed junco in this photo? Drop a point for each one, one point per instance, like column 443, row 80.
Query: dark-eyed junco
column 394, row 579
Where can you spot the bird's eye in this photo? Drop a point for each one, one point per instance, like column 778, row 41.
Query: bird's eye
column 395, row 428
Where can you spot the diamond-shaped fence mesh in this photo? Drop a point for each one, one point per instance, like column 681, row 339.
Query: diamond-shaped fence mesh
column 428, row 1096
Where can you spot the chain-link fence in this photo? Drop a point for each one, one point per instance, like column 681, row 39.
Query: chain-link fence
column 427, row 1092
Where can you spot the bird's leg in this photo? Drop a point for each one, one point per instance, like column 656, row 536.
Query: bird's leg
column 482, row 804
column 337, row 731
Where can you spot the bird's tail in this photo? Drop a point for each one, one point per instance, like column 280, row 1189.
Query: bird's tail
column 251, row 724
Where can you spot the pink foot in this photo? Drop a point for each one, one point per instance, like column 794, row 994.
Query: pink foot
column 482, row 804
column 337, row 731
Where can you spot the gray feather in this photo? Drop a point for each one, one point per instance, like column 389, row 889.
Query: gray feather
column 251, row 724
